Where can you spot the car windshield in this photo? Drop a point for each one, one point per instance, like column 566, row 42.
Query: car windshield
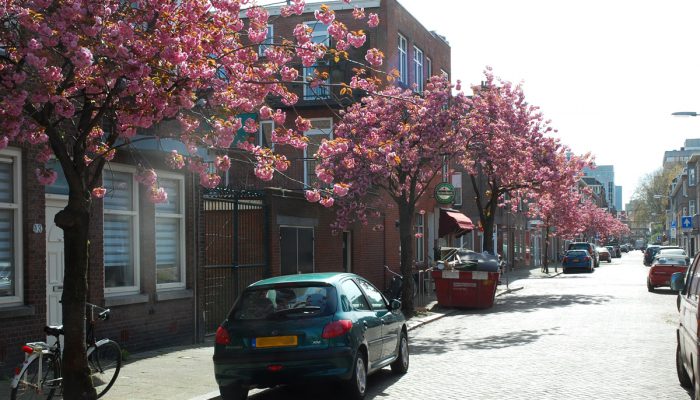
column 671, row 251
column 577, row 253
column 285, row 302
column 671, row 260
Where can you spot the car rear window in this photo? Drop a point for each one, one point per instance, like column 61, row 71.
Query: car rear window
column 672, row 261
column 297, row 301
column 579, row 246
column 577, row 253
column 671, row 251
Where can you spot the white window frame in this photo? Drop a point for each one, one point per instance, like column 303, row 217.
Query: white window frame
column 269, row 39
column 691, row 207
column 307, row 161
column 321, row 33
column 457, row 184
column 321, row 92
column 418, row 72
column 692, row 179
column 420, row 241
column 403, row 59
column 428, row 67
column 181, row 217
column 445, row 73
column 135, row 240
column 14, row 156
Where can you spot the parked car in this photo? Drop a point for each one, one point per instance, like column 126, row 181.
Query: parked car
column 589, row 247
column 688, row 342
column 577, row 259
column 307, row 327
column 672, row 250
column 604, row 254
column 649, row 254
column 663, row 267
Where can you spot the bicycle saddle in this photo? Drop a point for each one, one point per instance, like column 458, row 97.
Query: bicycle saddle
column 54, row 330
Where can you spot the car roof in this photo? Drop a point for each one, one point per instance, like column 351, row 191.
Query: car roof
column 670, row 247
column 317, row 277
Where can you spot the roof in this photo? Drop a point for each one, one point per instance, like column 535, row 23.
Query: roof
column 319, row 277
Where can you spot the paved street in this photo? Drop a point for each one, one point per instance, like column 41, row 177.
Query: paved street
column 575, row 336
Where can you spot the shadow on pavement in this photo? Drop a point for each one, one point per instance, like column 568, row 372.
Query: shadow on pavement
column 377, row 384
column 534, row 303
column 665, row 292
column 448, row 343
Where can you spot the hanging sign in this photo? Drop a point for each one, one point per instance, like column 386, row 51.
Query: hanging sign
column 444, row 193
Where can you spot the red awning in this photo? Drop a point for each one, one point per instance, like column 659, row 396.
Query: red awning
column 454, row 222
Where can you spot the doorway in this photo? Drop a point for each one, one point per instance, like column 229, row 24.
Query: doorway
column 54, row 261
column 296, row 250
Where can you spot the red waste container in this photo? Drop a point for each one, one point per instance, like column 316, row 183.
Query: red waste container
column 466, row 289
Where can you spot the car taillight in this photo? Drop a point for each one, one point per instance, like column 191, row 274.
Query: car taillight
column 336, row 328
column 565, row 259
column 586, row 258
column 27, row 349
column 222, row 336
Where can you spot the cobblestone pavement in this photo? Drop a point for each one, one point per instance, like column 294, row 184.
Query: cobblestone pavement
column 575, row 336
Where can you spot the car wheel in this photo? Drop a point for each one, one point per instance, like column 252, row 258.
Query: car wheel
column 650, row 287
column 400, row 366
column 234, row 392
column 683, row 376
column 357, row 385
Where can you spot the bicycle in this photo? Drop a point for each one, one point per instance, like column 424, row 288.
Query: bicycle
column 39, row 376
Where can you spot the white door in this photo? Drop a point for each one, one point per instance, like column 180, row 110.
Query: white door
column 54, row 262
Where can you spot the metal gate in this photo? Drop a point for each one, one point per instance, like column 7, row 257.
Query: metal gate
column 235, row 249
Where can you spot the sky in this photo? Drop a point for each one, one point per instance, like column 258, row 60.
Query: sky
column 607, row 73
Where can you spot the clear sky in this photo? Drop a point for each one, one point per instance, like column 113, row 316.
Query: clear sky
column 608, row 73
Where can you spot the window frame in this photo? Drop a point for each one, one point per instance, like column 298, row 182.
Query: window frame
column 183, row 229
column 457, row 184
column 322, row 92
column 691, row 207
column 692, row 178
column 428, row 67
column 418, row 71
column 419, row 227
column 135, row 240
column 269, row 40
column 261, row 134
column 403, row 59
column 13, row 156
column 310, row 132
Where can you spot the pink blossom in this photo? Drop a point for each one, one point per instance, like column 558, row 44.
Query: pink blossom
column 312, row 195
column 279, row 117
column 325, row 14
column 209, row 180
column 373, row 20
column 289, row 74
column 356, row 39
column 222, row 163
column 175, row 160
column 374, row 57
column 82, row 58
column 341, row 189
column 265, row 113
column 302, row 124
column 418, row 235
column 46, row 176
column 421, row 212
column 264, row 173
column 99, row 192
column 157, row 195
column 327, row 202
column 358, row 13
column 147, row 177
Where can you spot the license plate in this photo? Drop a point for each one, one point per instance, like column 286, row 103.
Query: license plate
column 274, row 341
column 575, row 260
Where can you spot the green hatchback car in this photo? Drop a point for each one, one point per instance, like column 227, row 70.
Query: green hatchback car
column 320, row 326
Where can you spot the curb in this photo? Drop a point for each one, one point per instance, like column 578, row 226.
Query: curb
column 510, row 291
column 431, row 319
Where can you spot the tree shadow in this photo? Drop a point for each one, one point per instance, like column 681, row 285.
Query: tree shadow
column 533, row 303
column 450, row 341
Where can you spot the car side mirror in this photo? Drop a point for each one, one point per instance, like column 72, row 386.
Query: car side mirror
column 395, row 304
column 677, row 281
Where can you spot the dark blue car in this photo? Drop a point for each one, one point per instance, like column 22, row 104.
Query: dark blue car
column 577, row 260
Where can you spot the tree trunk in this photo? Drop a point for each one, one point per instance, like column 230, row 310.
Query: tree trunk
column 487, row 224
column 545, row 262
column 406, row 237
column 75, row 222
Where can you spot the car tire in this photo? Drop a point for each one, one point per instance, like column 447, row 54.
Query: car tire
column 400, row 366
column 234, row 392
column 683, row 377
column 650, row 288
column 357, row 385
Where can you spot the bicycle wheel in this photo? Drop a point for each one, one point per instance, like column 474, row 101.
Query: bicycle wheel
column 31, row 387
column 104, row 362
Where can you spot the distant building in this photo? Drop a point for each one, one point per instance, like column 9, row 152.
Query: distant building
column 605, row 174
column 618, row 198
column 690, row 147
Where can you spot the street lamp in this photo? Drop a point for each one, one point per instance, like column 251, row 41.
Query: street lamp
column 685, row 114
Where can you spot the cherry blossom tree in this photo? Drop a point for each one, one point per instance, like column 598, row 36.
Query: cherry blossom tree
column 396, row 141
column 79, row 79
column 511, row 155
column 557, row 202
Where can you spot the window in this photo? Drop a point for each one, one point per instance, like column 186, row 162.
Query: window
column 121, row 233
column 264, row 138
column 376, row 300
column 268, row 40
column 10, row 226
column 691, row 176
column 685, row 211
column 457, row 183
column 403, row 60
column 352, row 297
column 418, row 72
column 321, row 91
column 170, row 233
column 685, row 189
column 320, row 33
column 296, row 250
column 428, row 67
column 321, row 128
column 691, row 207
column 420, row 240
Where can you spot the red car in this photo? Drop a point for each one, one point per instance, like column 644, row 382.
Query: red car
column 663, row 267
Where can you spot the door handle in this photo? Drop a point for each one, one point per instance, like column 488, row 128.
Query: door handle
column 58, row 288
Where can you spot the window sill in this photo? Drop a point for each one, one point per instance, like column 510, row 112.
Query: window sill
column 123, row 300
column 16, row 311
column 176, row 294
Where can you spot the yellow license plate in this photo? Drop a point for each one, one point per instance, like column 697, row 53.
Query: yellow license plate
column 275, row 341
column 576, row 260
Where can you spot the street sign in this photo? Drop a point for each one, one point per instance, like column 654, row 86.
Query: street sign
column 687, row 222
column 658, row 238
column 444, row 193
column 673, row 223
column 673, row 232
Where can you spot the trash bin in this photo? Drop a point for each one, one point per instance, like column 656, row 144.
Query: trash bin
column 466, row 289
